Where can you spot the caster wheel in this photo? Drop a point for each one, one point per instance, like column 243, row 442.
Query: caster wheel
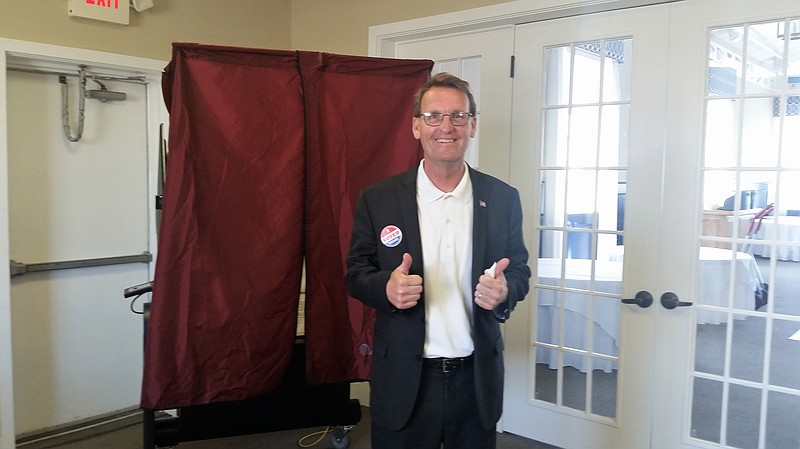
column 341, row 442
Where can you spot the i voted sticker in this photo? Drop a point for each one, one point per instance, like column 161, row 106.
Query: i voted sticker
column 391, row 236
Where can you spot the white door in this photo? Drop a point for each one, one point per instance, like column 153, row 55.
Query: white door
column 484, row 60
column 587, row 145
column 661, row 113
column 77, row 345
column 724, row 371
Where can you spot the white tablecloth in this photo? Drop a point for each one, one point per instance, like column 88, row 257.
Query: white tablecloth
column 787, row 229
column 578, row 311
column 714, row 283
column 604, row 313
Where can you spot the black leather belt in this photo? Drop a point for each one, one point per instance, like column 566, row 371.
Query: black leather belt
column 446, row 365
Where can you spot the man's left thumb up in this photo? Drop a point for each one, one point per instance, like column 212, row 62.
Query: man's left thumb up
column 502, row 264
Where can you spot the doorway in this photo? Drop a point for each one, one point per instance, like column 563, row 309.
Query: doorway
column 81, row 227
column 640, row 381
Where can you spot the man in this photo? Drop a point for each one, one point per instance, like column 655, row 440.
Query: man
column 437, row 368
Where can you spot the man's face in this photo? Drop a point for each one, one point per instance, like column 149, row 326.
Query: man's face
column 444, row 142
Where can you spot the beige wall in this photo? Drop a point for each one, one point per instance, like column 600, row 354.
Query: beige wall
column 342, row 26
column 248, row 23
column 336, row 26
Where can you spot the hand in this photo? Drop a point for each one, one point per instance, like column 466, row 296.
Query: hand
column 492, row 291
column 403, row 289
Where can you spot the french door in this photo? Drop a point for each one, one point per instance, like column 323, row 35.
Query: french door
column 588, row 140
column 633, row 132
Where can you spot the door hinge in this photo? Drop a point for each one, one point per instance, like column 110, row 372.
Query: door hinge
column 513, row 59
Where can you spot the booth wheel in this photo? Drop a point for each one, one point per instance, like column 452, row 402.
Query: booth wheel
column 339, row 437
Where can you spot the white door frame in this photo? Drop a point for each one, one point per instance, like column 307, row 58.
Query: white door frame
column 383, row 39
column 31, row 55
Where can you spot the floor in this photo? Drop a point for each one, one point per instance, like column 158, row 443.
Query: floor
column 126, row 433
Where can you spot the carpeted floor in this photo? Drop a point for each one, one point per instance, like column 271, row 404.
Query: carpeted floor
column 127, row 434
column 748, row 337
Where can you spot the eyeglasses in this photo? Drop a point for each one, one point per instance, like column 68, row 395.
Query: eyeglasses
column 436, row 118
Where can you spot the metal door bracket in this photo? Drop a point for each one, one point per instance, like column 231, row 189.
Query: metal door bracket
column 18, row 268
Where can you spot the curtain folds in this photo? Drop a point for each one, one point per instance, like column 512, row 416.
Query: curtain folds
column 268, row 150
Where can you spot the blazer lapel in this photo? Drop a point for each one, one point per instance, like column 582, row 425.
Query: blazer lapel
column 480, row 224
column 407, row 202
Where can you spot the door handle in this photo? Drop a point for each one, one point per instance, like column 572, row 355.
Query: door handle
column 643, row 299
column 670, row 300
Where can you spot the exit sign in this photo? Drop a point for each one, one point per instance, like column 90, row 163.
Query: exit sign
column 117, row 11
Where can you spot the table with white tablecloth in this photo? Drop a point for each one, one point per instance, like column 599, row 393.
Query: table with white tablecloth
column 785, row 228
column 579, row 308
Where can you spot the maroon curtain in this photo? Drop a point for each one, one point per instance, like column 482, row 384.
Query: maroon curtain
column 267, row 149
column 358, row 114
column 229, row 265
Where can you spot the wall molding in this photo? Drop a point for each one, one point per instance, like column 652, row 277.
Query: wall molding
column 383, row 39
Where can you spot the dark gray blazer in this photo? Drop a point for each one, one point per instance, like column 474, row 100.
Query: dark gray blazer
column 399, row 334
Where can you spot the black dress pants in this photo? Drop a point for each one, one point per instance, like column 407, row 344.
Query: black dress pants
column 445, row 415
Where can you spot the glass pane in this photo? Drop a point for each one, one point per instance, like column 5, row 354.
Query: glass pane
column 546, row 380
column 606, row 280
column 576, row 336
column 706, row 409
column 550, row 247
column 790, row 149
column 604, row 389
column 555, row 127
column 581, row 195
column 586, row 73
column 782, row 428
column 747, row 267
column 617, row 68
column 719, row 187
column 609, row 247
column 579, row 242
column 785, row 352
column 725, row 60
column 760, row 138
column 606, row 329
column 552, row 188
column 789, row 202
column 607, row 205
column 783, row 292
column 614, row 135
column 744, row 412
column 558, row 61
column 765, row 58
column 709, row 355
column 582, row 182
column 574, row 389
column 583, row 137
column 721, row 139
column 794, row 53
column 747, row 348
column 547, row 316
column 726, row 279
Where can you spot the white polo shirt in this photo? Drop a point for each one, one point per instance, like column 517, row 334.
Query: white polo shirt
column 445, row 221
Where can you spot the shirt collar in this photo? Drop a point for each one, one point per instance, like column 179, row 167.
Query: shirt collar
column 429, row 193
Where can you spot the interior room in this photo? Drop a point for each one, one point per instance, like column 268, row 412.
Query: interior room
column 654, row 144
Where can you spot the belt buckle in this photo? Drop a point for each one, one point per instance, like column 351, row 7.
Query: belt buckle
column 444, row 366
